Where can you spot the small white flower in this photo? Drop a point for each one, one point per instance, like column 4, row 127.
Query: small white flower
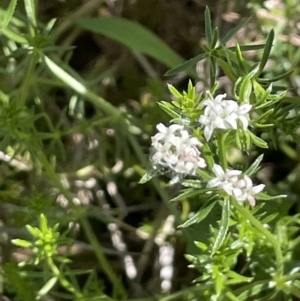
column 223, row 114
column 166, row 133
column 175, row 149
column 222, row 177
column 230, row 181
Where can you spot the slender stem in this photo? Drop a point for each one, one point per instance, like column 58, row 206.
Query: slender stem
column 62, row 279
column 257, row 224
column 103, row 262
column 105, row 265
column 222, row 150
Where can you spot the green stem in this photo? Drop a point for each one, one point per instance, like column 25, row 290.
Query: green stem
column 103, row 262
column 105, row 265
column 257, row 224
column 222, row 150
column 62, row 279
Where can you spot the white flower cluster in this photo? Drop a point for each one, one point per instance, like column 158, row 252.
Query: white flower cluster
column 223, row 114
column 241, row 188
column 175, row 149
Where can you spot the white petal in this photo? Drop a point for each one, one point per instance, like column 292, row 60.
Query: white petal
column 215, row 182
column 244, row 121
column 220, row 97
column 227, row 187
column 232, row 121
column 201, row 163
column 232, row 174
column 204, row 120
column 218, row 171
column 251, row 200
column 208, row 132
column 245, row 108
column 257, row 189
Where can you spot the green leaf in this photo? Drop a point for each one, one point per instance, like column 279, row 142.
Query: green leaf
column 215, row 38
column 200, row 215
column 208, row 28
column 30, row 11
column 185, row 195
column 14, row 36
column 261, row 125
column 192, row 183
column 227, row 69
column 295, row 291
column 253, row 289
column 35, row 232
column 245, row 90
column 191, row 62
column 231, row 296
column 254, row 166
column 248, row 47
column 236, row 278
column 43, row 223
column 269, row 218
column 169, row 109
column 174, row 91
column 132, row 35
column 224, row 225
column 291, row 99
column 264, row 197
column 149, row 175
column 234, row 30
column 47, row 287
column 240, row 59
column 21, row 243
column 276, row 78
column 266, row 53
column 258, row 141
column 8, row 14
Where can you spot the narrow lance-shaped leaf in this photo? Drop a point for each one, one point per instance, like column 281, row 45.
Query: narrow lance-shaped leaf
column 240, row 58
column 276, row 78
column 248, row 47
column 253, row 289
column 245, row 90
column 169, row 109
column 234, row 30
column 8, row 14
column 30, row 11
column 295, row 291
column 149, row 175
column 254, row 166
column 185, row 195
column 208, row 28
column 200, row 215
column 186, row 65
column 234, row 277
column 47, row 287
column 224, row 225
column 231, row 296
column 258, row 141
column 264, row 197
column 266, row 53
column 227, row 69
column 215, row 37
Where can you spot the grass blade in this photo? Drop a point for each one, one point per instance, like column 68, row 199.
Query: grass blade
column 134, row 36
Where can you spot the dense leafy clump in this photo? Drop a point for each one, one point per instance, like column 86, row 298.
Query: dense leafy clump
column 130, row 171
